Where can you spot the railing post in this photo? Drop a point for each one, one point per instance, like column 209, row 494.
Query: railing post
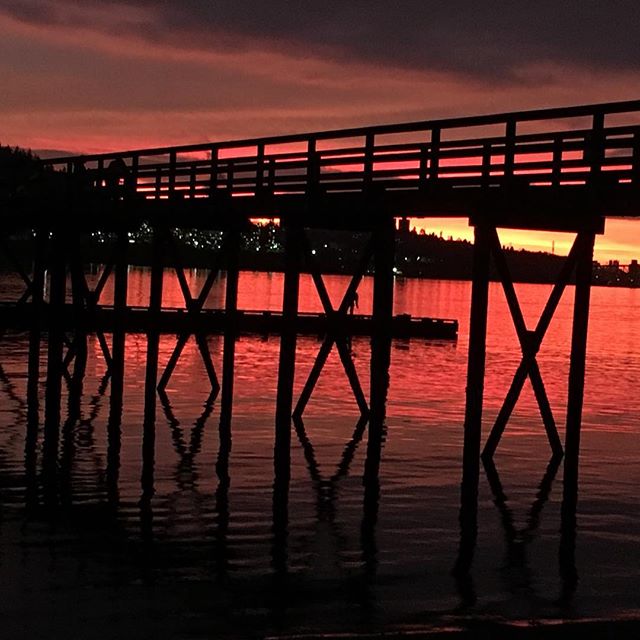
column 229, row 176
column 260, row 168
column 595, row 149
column 272, row 175
column 509, row 149
column 158, row 183
column 434, row 167
column 213, row 178
column 313, row 168
column 486, row 164
column 556, row 162
column 635, row 159
column 424, row 164
column 132, row 178
column 369, row 150
column 172, row 173
column 192, row 180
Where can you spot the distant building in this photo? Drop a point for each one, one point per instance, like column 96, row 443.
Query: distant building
column 403, row 227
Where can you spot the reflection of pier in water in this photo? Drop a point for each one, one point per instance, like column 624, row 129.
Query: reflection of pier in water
column 558, row 170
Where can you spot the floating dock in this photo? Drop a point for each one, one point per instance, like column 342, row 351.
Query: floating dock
column 215, row 321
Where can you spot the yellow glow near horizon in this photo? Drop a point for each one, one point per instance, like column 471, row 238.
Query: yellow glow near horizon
column 621, row 240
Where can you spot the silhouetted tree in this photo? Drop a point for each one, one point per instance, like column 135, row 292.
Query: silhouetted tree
column 18, row 168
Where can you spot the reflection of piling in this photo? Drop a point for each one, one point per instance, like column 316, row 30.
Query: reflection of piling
column 577, row 366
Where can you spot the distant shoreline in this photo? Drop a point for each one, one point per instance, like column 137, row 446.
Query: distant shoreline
column 427, row 258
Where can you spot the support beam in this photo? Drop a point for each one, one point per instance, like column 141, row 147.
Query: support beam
column 288, row 341
column 577, row 367
column 78, row 297
column 120, row 288
column 153, row 341
column 57, row 293
column 476, row 365
column 33, row 366
column 382, row 317
column 114, row 431
column 231, row 326
column 284, row 400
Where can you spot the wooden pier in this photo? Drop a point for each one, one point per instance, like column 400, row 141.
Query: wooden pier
column 562, row 170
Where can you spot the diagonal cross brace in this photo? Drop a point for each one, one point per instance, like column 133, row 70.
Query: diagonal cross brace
column 530, row 342
column 91, row 300
column 194, row 306
column 333, row 336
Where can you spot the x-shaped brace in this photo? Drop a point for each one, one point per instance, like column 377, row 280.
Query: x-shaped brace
column 334, row 336
column 91, row 299
column 530, row 342
column 194, row 306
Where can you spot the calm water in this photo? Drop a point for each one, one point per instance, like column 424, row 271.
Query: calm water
column 204, row 558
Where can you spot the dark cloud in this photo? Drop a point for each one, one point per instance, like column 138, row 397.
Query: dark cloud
column 476, row 38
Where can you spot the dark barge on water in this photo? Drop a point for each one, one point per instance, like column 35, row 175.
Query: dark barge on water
column 211, row 321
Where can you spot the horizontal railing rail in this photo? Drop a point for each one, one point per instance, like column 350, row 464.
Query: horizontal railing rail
column 571, row 146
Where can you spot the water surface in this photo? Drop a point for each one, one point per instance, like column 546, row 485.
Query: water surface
column 209, row 556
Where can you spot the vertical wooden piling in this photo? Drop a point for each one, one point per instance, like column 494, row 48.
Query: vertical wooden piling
column 155, row 308
column 121, row 282
column 288, row 340
column 57, row 294
column 476, row 364
column 577, row 367
column 382, row 318
column 153, row 343
column 120, row 311
column 37, row 294
column 33, row 366
column 231, row 327
column 79, row 305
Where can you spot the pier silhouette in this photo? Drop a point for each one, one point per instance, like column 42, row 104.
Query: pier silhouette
column 563, row 170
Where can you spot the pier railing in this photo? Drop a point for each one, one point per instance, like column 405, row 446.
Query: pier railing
column 550, row 147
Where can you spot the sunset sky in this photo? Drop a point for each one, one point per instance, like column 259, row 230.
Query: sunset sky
column 98, row 75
